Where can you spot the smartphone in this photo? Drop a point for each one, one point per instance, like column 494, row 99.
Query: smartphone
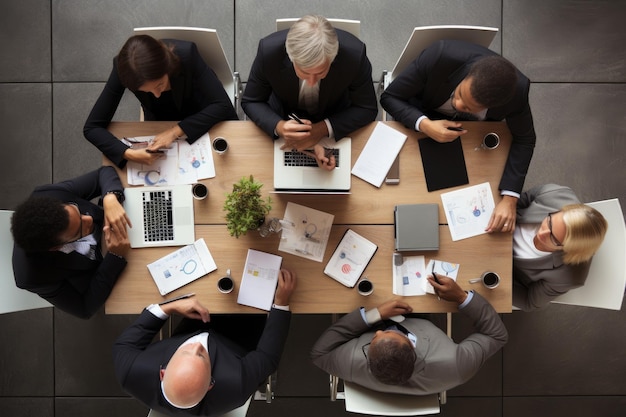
column 393, row 176
column 456, row 129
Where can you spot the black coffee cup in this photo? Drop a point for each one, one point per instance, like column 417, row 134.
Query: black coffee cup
column 225, row 285
column 220, row 145
column 491, row 141
column 199, row 191
column 365, row 286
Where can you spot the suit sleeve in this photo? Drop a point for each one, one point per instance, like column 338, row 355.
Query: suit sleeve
column 209, row 91
column 88, row 186
column 333, row 351
column 363, row 106
column 255, row 100
column 95, row 129
column 490, row 336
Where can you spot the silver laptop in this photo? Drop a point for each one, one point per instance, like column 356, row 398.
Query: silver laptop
column 161, row 216
column 295, row 172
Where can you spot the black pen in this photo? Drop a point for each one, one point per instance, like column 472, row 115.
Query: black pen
column 294, row 117
column 436, row 280
column 181, row 297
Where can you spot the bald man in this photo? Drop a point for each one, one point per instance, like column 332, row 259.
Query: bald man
column 201, row 372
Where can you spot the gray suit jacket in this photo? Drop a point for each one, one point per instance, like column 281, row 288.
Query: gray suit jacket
column 537, row 281
column 441, row 363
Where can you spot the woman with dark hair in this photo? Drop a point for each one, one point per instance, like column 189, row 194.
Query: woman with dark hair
column 172, row 82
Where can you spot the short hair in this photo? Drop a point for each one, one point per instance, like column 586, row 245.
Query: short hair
column 493, row 81
column 312, row 41
column 391, row 362
column 143, row 59
column 38, row 223
column 585, row 228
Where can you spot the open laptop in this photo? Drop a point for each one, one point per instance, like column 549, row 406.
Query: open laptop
column 161, row 216
column 295, row 172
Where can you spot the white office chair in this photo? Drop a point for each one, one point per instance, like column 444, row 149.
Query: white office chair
column 209, row 47
column 605, row 284
column 424, row 36
column 237, row 412
column 12, row 299
column 363, row 400
column 350, row 26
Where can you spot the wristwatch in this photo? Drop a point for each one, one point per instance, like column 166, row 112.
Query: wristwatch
column 118, row 194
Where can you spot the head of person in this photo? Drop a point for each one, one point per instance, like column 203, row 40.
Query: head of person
column 312, row 46
column 187, row 377
column 41, row 224
column 145, row 64
column 491, row 82
column 391, row 357
column 578, row 230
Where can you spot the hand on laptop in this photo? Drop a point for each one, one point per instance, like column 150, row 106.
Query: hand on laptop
column 114, row 214
column 324, row 157
column 116, row 240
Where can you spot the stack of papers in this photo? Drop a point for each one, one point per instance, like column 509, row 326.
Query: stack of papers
column 183, row 164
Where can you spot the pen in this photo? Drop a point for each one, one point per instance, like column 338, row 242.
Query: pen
column 294, row 117
column 436, row 280
column 181, row 297
column 157, row 151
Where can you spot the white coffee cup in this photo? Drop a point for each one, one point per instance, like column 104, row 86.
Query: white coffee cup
column 489, row 279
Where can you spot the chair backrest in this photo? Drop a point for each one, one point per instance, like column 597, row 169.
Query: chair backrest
column 365, row 401
column 237, row 412
column 605, row 284
column 12, row 298
column 350, row 26
column 209, row 47
column 424, row 36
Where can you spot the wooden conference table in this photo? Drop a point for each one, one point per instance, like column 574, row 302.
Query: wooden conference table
column 368, row 210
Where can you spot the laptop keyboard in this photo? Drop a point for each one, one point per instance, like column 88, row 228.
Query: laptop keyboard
column 158, row 222
column 298, row 159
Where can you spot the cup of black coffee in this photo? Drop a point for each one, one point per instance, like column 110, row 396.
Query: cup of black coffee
column 220, row 145
column 490, row 279
column 365, row 286
column 490, row 141
column 199, row 191
column 226, row 284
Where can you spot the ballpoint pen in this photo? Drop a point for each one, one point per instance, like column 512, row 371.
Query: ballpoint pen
column 181, row 297
column 295, row 118
column 436, row 279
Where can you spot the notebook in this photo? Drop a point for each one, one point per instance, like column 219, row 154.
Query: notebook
column 444, row 163
column 182, row 266
column 161, row 216
column 297, row 172
column 351, row 257
column 416, row 227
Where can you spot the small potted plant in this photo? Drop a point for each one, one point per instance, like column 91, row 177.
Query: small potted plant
column 245, row 209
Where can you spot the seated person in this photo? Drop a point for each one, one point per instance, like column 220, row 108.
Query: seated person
column 412, row 357
column 321, row 74
column 200, row 371
column 553, row 244
column 452, row 81
column 172, row 82
column 67, row 249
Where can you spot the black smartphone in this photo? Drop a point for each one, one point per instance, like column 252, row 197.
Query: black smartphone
column 456, row 129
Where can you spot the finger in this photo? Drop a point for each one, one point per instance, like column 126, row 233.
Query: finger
column 128, row 222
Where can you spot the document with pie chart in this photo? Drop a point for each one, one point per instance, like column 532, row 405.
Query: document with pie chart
column 351, row 257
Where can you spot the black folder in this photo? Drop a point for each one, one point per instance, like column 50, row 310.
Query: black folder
column 444, row 163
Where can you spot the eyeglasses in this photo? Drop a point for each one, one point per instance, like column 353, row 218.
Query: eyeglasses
column 79, row 232
column 553, row 238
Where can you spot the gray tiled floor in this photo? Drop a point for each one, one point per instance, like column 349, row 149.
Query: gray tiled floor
column 564, row 361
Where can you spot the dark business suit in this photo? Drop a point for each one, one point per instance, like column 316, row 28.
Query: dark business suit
column 237, row 373
column 346, row 96
column 198, row 95
column 539, row 280
column 73, row 282
column 441, row 363
column 429, row 81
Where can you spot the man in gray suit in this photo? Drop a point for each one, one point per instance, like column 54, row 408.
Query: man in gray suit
column 414, row 357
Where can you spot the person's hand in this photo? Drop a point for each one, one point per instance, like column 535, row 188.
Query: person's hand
column 165, row 139
column 303, row 140
column 448, row 289
column 116, row 240
column 286, row 285
column 393, row 308
column 324, row 160
column 294, row 132
column 187, row 307
column 503, row 216
column 114, row 214
column 142, row 156
column 438, row 129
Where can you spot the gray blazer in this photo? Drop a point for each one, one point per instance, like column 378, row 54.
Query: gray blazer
column 441, row 363
column 537, row 281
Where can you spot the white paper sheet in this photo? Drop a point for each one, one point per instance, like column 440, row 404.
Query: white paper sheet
column 410, row 277
column 381, row 149
column 468, row 210
column 305, row 231
column 259, row 279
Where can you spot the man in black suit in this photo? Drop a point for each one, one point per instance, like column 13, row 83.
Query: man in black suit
column 199, row 372
column 452, row 81
column 321, row 74
column 58, row 251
